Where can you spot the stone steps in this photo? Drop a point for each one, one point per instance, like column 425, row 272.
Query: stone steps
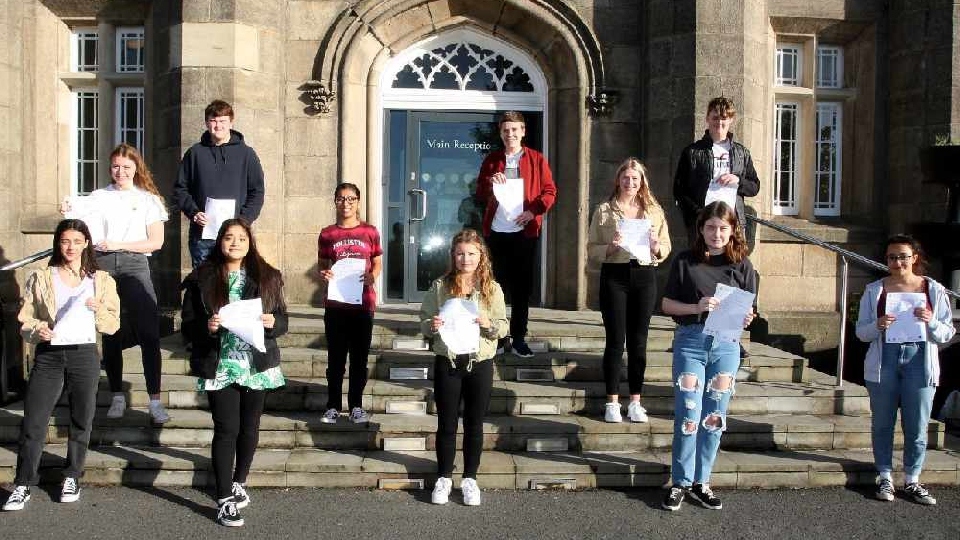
column 194, row 428
column 764, row 364
column 308, row 467
column 818, row 396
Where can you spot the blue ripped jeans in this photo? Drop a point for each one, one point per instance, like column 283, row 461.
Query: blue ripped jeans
column 903, row 385
column 704, row 372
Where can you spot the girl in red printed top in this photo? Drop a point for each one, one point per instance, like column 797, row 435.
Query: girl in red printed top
column 348, row 326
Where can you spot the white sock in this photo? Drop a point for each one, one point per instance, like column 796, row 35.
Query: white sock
column 154, row 402
column 911, row 479
column 119, row 395
column 884, row 475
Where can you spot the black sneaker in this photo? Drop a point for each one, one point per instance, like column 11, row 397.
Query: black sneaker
column 885, row 490
column 703, row 493
column 919, row 494
column 674, row 498
column 240, row 496
column 521, row 349
column 18, row 499
column 70, row 492
column 229, row 515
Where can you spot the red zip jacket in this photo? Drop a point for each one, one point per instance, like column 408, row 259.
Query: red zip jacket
column 539, row 191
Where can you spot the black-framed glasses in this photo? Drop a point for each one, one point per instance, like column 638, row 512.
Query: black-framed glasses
column 346, row 200
column 900, row 257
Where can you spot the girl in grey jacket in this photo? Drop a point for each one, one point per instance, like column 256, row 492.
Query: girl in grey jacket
column 902, row 375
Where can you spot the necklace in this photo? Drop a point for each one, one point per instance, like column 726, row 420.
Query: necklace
column 71, row 272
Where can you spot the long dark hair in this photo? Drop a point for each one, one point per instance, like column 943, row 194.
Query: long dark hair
column 920, row 265
column 736, row 248
column 88, row 262
column 260, row 271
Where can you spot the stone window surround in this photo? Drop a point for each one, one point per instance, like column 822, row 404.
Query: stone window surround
column 807, row 96
column 362, row 55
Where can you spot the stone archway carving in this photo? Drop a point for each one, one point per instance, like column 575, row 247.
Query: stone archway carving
column 364, row 37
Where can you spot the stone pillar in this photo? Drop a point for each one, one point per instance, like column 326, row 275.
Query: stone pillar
column 14, row 20
column 698, row 50
column 923, row 98
column 230, row 50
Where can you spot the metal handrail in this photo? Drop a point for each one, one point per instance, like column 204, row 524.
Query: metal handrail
column 27, row 260
column 845, row 257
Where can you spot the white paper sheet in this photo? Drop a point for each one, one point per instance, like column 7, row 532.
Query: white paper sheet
column 727, row 194
column 347, row 283
column 92, row 210
column 635, row 238
column 907, row 327
column 510, row 197
column 243, row 318
column 725, row 322
column 217, row 211
column 460, row 331
column 77, row 324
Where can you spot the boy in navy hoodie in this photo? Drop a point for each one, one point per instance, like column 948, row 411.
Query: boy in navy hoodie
column 220, row 166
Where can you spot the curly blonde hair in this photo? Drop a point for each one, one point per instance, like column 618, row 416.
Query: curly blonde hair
column 483, row 277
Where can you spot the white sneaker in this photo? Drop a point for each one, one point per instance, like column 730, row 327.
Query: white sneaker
column 471, row 492
column 240, row 496
column 612, row 413
column 158, row 413
column 441, row 490
column 70, row 492
column 330, row 417
column 117, row 407
column 18, row 499
column 359, row 416
column 636, row 412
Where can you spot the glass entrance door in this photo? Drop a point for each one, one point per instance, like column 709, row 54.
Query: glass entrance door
column 433, row 161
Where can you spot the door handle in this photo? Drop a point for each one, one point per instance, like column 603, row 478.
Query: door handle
column 423, row 204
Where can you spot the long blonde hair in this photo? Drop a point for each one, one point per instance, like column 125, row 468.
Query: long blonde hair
column 644, row 199
column 483, row 276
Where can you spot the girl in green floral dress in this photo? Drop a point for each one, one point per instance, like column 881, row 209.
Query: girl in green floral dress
column 234, row 374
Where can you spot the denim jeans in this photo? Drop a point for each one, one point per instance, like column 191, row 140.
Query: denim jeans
column 75, row 369
column 903, row 385
column 199, row 249
column 704, row 372
column 139, row 318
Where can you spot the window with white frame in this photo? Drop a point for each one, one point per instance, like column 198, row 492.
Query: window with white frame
column 788, row 66
column 829, row 66
column 130, row 45
column 85, row 141
column 129, row 116
column 827, row 195
column 785, row 158
column 83, row 50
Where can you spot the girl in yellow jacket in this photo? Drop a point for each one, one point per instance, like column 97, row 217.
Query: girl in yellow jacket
column 65, row 305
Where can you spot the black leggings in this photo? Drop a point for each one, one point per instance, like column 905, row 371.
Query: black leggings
column 450, row 387
column 628, row 294
column 236, row 430
column 347, row 331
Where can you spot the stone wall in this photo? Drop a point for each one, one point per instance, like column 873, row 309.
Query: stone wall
column 923, row 103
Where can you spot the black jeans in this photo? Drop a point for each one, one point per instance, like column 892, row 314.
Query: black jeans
column 450, row 387
column 347, row 331
column 76, row 369
column 628, row 295
column 513, row 256
column 139, row 318
column 236, row 414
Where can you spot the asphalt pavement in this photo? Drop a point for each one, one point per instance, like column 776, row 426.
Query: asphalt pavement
column 147, row 513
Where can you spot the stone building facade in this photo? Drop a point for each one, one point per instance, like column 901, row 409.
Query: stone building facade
column 836, row 98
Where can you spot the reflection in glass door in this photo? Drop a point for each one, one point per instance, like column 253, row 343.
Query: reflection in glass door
column 433, row 161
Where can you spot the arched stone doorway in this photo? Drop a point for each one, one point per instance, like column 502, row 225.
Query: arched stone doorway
column 358, row 49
